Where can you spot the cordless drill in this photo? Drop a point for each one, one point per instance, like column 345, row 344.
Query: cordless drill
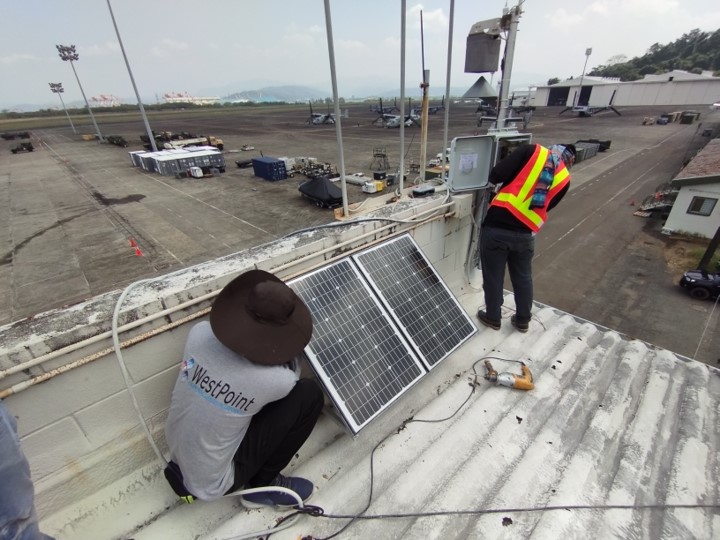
column 520, row 382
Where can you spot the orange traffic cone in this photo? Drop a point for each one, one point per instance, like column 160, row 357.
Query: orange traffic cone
column 132, row 243
column 138, row 252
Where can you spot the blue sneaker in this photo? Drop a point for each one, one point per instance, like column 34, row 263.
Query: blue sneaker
column 301, row 486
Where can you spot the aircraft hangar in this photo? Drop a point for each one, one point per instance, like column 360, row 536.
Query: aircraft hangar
column 674, row 88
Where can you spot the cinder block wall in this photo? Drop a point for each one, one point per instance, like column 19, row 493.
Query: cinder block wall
column 79, row 429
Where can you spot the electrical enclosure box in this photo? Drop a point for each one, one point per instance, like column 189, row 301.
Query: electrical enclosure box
column 482, row 53
column 506, row 142
column 470, row 162
column 472, row 158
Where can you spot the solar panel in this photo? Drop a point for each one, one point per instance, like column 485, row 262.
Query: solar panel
column 416, row 297
column 358, row 353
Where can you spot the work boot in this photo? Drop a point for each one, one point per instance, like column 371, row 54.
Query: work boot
column 487, row 321
column 522, row 326
column 301, row 486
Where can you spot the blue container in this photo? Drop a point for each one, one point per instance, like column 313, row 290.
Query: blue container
column 269, row 168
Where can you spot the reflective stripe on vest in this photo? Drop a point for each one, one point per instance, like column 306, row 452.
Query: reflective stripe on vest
column 517, row 195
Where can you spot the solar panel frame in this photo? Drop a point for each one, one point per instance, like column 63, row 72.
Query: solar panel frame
column 339, row 298
column 419, row 302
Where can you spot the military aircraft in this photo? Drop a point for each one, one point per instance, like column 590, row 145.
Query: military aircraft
column 485, row 108
column 432, row 109
column 393, row 121
column 320, row 118
column 589, row 110
column 380, row 109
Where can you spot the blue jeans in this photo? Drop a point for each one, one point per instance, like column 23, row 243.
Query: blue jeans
column 500, row 248
column 18, row 520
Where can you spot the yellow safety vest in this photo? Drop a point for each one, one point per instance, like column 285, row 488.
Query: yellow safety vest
column 516, row 196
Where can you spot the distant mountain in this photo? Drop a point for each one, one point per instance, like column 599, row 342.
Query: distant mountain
column 280, row 93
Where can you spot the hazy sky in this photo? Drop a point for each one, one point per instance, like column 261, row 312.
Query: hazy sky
column 221, row 46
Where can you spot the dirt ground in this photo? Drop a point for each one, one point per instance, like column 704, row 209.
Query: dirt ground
column 682, row 254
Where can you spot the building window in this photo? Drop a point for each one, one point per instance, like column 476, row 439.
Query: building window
column 701, row 206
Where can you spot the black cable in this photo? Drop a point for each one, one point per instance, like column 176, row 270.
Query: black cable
column 353, row 517
column 319, row 512
column 528, row 510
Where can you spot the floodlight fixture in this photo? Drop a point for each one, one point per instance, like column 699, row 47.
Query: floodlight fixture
column 68, row 53
column 57, row 88
column 588, row 52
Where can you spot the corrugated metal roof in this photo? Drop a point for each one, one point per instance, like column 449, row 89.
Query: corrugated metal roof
column 705, row 164
column 618, row 439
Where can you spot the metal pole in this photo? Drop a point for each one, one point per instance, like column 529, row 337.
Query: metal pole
column 423, row 104
column 515, row 13
column 338, row 123
column 423, row 123
column 56, row 88
column 132, row 80
column 92, row 116
column 67, row 114
column 588, row 52
column 402, row 97
column 447, row 86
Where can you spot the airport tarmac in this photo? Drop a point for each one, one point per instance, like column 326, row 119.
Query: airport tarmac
column 73, row 209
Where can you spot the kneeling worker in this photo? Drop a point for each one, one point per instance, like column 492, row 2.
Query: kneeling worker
column 239, row 410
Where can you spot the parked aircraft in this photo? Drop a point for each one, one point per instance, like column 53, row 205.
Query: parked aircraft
column 432, row 109
column 380, row 109
column 393, row 121
column 589, row 110
column 486, row 109
column 320, row 118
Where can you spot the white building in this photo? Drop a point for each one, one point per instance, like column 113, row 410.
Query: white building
column 674, row 88
column 696, row 209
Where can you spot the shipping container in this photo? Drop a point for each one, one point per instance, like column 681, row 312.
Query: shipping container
column 269, row 168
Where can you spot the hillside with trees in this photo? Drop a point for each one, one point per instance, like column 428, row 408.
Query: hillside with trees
column 694, row 52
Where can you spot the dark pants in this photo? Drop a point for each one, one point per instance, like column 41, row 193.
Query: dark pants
column 514, row 249
column 276, row 433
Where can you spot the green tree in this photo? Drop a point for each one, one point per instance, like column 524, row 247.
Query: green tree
column 552, row 81
column 693, row 51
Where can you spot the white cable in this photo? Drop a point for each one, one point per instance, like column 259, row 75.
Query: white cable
column 151, row 440
column 284, row 525
column 124, row 371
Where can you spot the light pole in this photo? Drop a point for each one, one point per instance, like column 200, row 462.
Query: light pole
column 68, row 53
column 57, row 88
column 588, row 52
column 149, row 132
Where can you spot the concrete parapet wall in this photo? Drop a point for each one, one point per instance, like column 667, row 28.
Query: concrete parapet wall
column 78, row 427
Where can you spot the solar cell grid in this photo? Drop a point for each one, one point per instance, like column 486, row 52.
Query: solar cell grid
column 363, row 360
column 417, row 298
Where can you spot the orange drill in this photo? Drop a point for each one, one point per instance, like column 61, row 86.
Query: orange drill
column 520, row 382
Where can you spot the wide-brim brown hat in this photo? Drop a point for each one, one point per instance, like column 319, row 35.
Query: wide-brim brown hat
column 259, row 317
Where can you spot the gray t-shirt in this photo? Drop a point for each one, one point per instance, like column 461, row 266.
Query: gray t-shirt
column 215, row 397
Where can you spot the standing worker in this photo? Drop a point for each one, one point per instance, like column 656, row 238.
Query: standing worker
column 240, row 411
column 532, row 181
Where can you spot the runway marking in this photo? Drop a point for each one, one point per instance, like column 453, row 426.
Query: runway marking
column 157, row 180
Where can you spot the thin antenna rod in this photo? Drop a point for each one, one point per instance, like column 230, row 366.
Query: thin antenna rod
column 447, row 85
column 403, row 5
column 422, row 45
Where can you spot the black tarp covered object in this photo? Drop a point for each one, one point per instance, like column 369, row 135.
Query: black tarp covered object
column 322, row 192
